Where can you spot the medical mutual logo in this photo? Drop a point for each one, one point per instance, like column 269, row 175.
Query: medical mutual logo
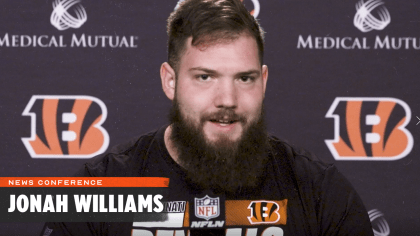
column 66, row 126
column 364, row 19
column 370, row 129
column 61, row 17
column 380, row 226
column 68, row 14
column 369, row 16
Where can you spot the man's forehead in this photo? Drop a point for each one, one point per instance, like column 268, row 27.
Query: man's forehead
column 209, row 41
column 216, row 38
column 244, row 48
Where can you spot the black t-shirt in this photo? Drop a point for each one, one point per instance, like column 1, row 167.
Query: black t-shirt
column 298, row 196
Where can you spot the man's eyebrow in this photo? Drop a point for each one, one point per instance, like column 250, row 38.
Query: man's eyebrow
column 206, row 70
column 249, row 72
column 210, row 71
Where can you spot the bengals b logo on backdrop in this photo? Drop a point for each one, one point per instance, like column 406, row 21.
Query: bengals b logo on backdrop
column 370, row 129
column 66, row 127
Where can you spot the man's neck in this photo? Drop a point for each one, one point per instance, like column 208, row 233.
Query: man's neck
column 170, row 146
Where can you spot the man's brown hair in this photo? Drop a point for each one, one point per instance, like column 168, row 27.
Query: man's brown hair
column 209, row 22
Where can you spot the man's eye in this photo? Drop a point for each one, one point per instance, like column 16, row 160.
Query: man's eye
column 246, row 79
column 203, row 77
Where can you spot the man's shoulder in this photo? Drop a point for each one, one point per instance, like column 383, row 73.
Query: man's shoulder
column 129, row 147
column 124, row 159
column 298, row 158
column 303, row 168
column 325, row 194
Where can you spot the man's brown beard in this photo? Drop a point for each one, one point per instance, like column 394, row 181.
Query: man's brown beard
column 224, row 165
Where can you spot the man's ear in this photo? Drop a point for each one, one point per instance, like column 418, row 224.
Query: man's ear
column 264, row 77
column 167, row 76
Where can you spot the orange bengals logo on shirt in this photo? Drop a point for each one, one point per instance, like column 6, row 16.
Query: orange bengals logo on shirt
column 370, row 129
column 252, row 212
column 66, row 126
column 264, row 212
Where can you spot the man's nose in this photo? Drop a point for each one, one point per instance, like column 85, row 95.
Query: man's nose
column 226, row 94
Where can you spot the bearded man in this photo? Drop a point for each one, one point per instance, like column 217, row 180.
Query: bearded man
column 216, row 150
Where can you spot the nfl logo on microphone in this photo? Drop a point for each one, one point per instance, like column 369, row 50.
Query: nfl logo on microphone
column 207, row 207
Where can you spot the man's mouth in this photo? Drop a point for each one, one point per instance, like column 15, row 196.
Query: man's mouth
column 224, row 119
column 223, row 122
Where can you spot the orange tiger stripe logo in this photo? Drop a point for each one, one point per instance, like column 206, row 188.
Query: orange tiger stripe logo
column 370, row 129
column 66, row 127
column 264, row 212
